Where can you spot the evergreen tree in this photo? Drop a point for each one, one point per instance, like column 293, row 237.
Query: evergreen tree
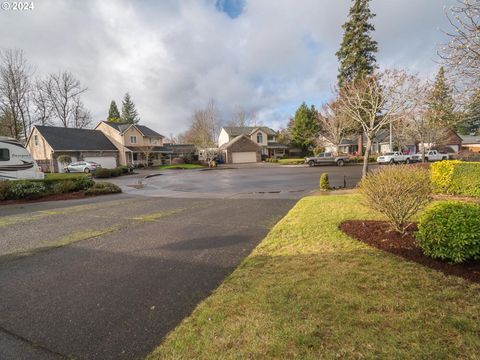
column 441, row 103
column 129, row 112
column 357, row 50
column 113, row 113
column 304, row 128
column 471, row 119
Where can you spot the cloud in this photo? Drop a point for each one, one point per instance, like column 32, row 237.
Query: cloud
column 173, row 56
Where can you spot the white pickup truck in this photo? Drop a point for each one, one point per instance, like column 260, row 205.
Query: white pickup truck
column 431, row 155
column 394, row 157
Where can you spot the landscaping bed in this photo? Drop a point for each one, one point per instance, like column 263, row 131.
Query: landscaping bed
column 379, row 235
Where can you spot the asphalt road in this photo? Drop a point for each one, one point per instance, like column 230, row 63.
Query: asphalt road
column 108, row 277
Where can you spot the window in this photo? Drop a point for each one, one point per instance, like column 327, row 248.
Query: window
column 133, row 139
column 35, row 140
column 259, row 138
column 153, row 141
column 4, row 154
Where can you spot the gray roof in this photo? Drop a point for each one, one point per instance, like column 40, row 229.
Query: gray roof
column 60, row 138
column 121, row 127
column 140, row 149
column 470, row 139
column 234, row 140
column 247, row 130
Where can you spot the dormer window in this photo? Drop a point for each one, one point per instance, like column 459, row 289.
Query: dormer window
column 259, row 138
column 133, row 139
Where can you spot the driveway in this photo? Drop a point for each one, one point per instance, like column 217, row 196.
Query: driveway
column 109, row 277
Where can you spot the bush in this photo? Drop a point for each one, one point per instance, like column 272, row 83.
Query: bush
column 397, row 192
column 177, row 161
column 103, row 188
column 115, row 172
column 4, row 189
column 291, row 161
column 454, row 177
column 450, row 231
column 64, row 159
column 102, row 173
column 125, row 169
column 26, row 190
column 61, row 187
column 324, row 182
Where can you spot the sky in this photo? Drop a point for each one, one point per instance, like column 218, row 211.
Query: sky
column 174, row 56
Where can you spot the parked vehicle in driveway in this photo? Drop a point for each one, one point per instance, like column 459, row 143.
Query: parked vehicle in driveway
column 327, row 159
column 432, row 155
column 394, row 157
column 16, row 163
column 82, row 166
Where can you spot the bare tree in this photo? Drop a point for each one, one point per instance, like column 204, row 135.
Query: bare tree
column 462, row 52
column 334, row 125
column 242, row 117
column 15, row 90
column 374, row 102
column 81, row 117
column 42, row 109
column 63, row 92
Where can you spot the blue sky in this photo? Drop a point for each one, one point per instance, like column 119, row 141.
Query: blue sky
column 173, row 56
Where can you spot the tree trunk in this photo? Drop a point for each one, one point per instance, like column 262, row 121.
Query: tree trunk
column 423, row 152
column 366, row 156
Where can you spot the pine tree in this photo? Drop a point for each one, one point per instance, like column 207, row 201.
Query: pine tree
column 441, row 103
column 304, row 129
column 357, row 50
column 471, row 119
column 113, row 113
column 129, row 112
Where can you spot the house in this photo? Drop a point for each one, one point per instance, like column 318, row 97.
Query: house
column 471, row 143
column 264, row 137
column 137, row 144
column 241, row 149
column 47, row 143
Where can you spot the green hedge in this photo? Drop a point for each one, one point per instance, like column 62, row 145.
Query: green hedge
column 450, row 231
column 103, row 188
column 454, row 177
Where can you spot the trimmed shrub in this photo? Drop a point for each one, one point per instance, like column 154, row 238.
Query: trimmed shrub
column 102, row 173
column 61, row 187
column 101, row 188
column 4, row 189
column 454, row 177
column 397, row 192
column 115, row 172
column 26, row 190
column 125, row 169
column 450, row 231
column 64, row 159
column 324, row 182
column 82, row 183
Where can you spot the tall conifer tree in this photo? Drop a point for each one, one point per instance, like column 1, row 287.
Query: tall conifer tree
column 113, row 113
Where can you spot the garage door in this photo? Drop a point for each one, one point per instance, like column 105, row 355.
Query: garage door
column 108, row 162
column 244, row 157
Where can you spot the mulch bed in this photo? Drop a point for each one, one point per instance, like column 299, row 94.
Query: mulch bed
column 378, row 234
column 54, row 197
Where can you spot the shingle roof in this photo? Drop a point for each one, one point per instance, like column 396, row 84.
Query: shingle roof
column 141, row 149
column 470, row 139
column 60, row 138
column 247, row 130
column 121, row 127
column 234, row 140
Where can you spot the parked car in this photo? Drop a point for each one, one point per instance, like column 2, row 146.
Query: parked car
column 394, row 157
column 82, row 166
column 327, row 159
column 16, row 163
column 432, row 155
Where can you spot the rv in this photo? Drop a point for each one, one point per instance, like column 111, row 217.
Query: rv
column 16, row 163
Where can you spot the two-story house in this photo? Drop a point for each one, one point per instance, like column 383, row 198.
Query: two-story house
column 264, row 137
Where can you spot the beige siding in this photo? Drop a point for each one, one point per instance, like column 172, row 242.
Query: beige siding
column 264, row 138
column 116, row 138
column 41, row 151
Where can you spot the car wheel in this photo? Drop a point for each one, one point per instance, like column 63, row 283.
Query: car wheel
column 407, row 161
column 392, row 162
column 67, row 170
column 86, row 170
column 340, row 163
column 311, row 163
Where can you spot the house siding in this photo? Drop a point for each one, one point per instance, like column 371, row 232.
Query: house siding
column 242, row 145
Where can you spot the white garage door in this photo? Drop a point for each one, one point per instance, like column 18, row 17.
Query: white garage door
column 244, row 157
column 108, row 162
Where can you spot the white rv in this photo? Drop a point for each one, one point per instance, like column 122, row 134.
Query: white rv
column 16, row 163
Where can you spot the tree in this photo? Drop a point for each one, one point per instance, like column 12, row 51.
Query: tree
column 357, row 50
column 113, row 113
column 129, row 112
column 334, row 125
column 242, row 117
column 15, row 91
column 441, row 103
column 374, row 102
column 42, row 108
column 63, row 92
column 8, row 126
column 462, row 52
column 470, row 123
column 304, row 129
column 81, row 117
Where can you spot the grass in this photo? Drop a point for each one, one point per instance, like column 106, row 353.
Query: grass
column 181, row 166
column 309, row 291
column 291, row 161
column 64, row 176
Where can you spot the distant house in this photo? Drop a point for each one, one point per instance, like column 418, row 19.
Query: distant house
column 136, row 143
column 241, row 149
column 471, row 143
column 264, row 137
column 47, row 143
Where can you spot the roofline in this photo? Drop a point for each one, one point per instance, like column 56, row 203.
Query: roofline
column 53, row 150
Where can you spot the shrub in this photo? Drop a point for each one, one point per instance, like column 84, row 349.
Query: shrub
column 82, row 183
column 116, row 172
column 103, row 188
column 456, row 177
column 4, row 189
column 102, row 173
column 64, row 159
column 450, row 231
column 26, row 190
column 177, row 161
column 125, row 169
column 324, row 182
column 397, row 192
column 61, row 187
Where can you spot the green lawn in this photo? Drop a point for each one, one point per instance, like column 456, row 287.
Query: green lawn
column 63, row 176
column 181, row 166
column 310, row 292
column 291, row 161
